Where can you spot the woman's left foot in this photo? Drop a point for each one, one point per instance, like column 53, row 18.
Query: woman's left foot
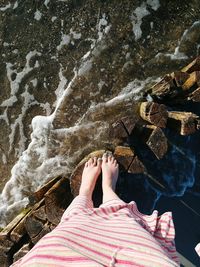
column 90, row 174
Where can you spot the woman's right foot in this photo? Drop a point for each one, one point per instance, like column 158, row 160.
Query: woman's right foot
column 110, row 172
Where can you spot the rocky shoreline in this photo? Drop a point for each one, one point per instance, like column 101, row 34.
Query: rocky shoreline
column 49, row 202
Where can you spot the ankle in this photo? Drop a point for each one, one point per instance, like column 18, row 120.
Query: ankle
column 109, row 195
column 85, row 192
column 107, row 188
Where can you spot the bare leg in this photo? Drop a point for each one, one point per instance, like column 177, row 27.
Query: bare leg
column 110, row 171
column 90, row 174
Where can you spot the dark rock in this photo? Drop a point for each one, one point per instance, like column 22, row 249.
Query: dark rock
column 124, row 156
column 57, row 199
column 154, row 113
column 183, row 122
column 136, row 166
column 22, row 252
column 157, row 142
column 33, row 226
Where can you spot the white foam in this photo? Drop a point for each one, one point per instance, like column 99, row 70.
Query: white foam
column 46, row 2
column 101, row 84
column 39, row 163
column 9, row 102
column 135, row 88
column 177, row 55
column 85, row 67
column 5, row 7
column 103, row 27
column 4, row 158
column 4, row 116
column 65, row 40
column 14, row 84
column 53, row 18
column 15, row 51
column 34, row 82
column 37, row 15
column 75, row 35
column 5, row 44
column 154, row 4
column 28, row 101
column 149, row 98
column 61, row 86
column 47, row 107
column 68, row 38
column 139, row 13
column 15, row 5
column 136, row 19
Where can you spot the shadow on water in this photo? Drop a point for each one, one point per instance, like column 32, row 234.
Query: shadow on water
column 176, row 173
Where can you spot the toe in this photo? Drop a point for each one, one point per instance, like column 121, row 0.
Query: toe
column 110, row 158
column 86, row 164
column 90, row 161
column 105, row 157
column 95, row 161
column 99, row 162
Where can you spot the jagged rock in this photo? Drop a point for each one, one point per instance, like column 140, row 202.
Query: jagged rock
column 5, row 245
column 129, row 123
column 121, row 130
column 20, row 230
column 180, row 77
column 8, row 229
column 136, row 166
column 33, row 226
column 195, row 95
column 163, row 87
column 118, row 131
column 57, row 198
column 45, row 230
column 40, row 213
column 154, row 113
column 23, row 251
column 193, row 66
column 157, row 142
column 3, row 259
column 178, row 83
column 193, row 79
column 124, row 156
column 39, row 194
column 183, row 122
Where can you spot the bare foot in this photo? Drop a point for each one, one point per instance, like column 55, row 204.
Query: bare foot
column 90, row 174
column 110, row 171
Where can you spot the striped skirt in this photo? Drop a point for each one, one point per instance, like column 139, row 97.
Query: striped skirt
column 115, row 234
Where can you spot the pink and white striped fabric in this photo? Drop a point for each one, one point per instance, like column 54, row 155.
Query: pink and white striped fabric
column 115, row 234
column 197, row 248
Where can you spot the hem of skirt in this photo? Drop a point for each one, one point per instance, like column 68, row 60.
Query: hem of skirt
column 114, row 200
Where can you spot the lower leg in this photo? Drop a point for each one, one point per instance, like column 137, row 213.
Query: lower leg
column 90, row 174
column 109, row 194
column 110, row 171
